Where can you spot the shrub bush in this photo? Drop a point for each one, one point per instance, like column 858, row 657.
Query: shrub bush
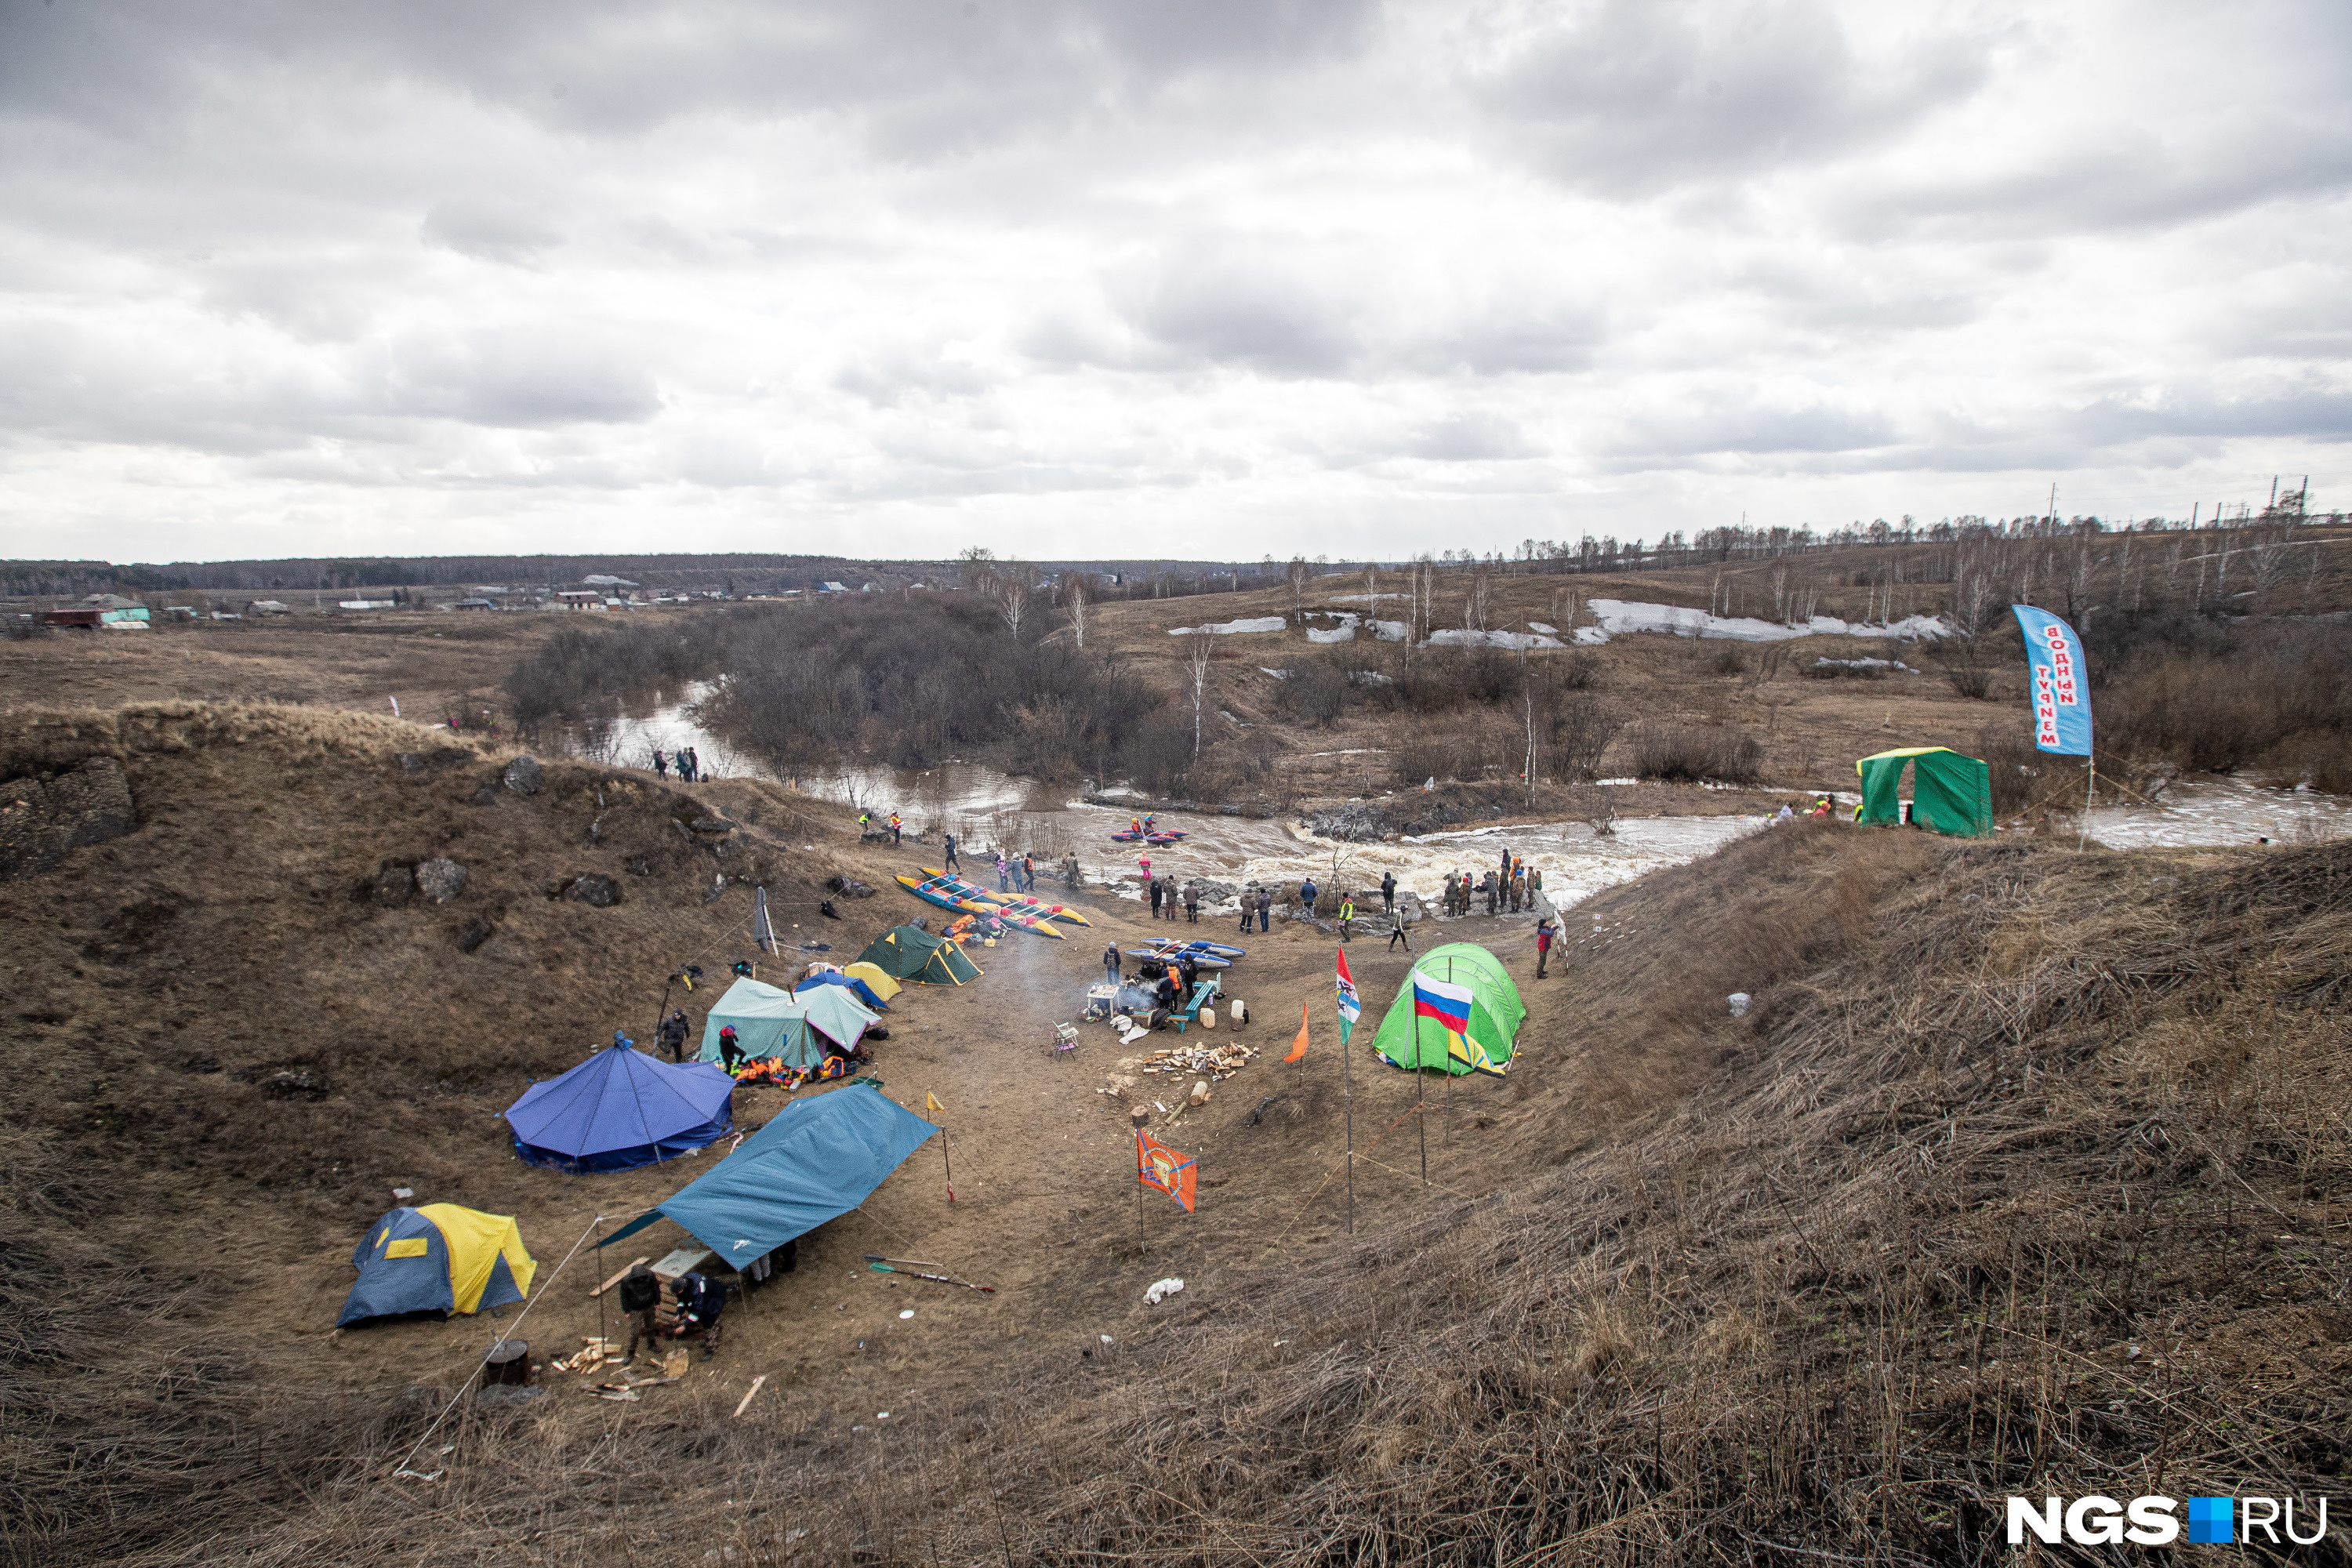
column 1693, row 753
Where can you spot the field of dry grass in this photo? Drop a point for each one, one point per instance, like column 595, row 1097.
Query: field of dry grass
column 2022, row 1175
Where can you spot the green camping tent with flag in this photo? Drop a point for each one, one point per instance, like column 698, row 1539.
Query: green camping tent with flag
column 1457, row 1010
column 1949, row 792
column 910, row 953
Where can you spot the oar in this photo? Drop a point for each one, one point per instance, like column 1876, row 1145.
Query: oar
column 882, row 1266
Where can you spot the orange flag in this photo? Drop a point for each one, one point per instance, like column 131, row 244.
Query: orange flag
column 1298, row 1047
column 1158, row 1166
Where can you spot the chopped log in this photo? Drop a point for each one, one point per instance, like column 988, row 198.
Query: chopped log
column 749, row 1392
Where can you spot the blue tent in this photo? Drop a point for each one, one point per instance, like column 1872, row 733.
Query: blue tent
column 621, row 1109
column 819, row 1158
column 856, row 987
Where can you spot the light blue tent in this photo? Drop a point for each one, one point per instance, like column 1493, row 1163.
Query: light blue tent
column 819, row 1158
column 772, row 1023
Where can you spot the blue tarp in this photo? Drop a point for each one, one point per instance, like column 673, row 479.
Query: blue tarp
column 817, row 1160
column 856, row 988
column 621, row 1109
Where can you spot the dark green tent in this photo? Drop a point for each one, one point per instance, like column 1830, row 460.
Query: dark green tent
column 1950, row 793
column 910, row 953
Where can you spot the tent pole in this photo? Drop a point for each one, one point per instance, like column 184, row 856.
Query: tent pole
column 1449, row 1070
column 949, row 1163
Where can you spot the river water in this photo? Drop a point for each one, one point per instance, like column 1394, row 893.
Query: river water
column 987, row 809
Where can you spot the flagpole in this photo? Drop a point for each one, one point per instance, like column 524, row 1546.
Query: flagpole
column 949, row 1161
column 1449, row 1068
column 1348, row 1098
column 1419, row 1087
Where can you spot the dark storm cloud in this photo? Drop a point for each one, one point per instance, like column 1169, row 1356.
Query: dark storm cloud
column 1630, row 98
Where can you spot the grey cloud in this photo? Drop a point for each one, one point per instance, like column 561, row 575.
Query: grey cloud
column 1472, row 437
column 1628, row 98
column 1232, row 305
column 1734, row 424
column 501, row 231
column 515, row 378
column 888, row 373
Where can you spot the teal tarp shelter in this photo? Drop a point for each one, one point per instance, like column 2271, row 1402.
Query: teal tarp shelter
column 820, row 1157
column 1950, row 793
column 772, row 1023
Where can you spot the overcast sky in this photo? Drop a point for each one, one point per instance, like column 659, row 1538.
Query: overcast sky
column 1186, row 278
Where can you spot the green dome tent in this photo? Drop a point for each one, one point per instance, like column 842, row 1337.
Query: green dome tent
column 1951, row 793
column 910, row 953
column 1495, row 1012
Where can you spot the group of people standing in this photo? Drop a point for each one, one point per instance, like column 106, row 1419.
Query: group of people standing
column 1509, row 888
column 1165, row 895
column 689, row 765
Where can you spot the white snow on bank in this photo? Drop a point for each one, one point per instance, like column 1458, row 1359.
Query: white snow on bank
column 1461, row 637
column 1389, row 631
column 1620, row 616
column 1278, row 674
column 2224, row 812
column 1344, row 632
column 1227, row 629
column 1364, row 598
column 1539, row 626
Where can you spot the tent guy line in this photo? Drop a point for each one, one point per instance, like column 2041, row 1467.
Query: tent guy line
column 402, row 1468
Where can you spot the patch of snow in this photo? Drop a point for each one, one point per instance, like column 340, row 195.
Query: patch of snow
column 1278, row 674
column 1606, row 783
column 1364, row 598
column 1462, row 636
column 1539, row 626
column 1591, row 636
column 1617, row 616
column 1370, row 678
column 1389, row 631
column 1228, row 628
column 1866, row 664
column 1344, row 632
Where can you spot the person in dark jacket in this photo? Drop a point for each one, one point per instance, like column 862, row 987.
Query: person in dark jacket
column 1265, row 907
column 1110, row 962
column 953, row 865
column 699, row 1302
column 1192, row 901
column 640, row 1300
column 1544, row 933
column 661, row 764
column 673, row 1035
column 731, row 1049
column 1156, row 895
column 1388, row 892
column 1307, row 897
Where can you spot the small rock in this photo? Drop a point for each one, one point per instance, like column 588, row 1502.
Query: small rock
column 295, row 1083
column 476, row 932
column 641, row 867
column 711, row 824
column 598, row 891
column 440, row 879
column 394, row 885
column 523, row 775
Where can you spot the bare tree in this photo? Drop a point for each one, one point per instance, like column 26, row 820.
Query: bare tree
column 1780, row 591
column 1201, row 644
column 1013, row 585
column 1297, row 575
column 1478, row 603
column 1075, row 597
column 1371, row 591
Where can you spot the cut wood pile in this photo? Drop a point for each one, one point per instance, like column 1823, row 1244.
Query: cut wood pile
column 1220, row 1061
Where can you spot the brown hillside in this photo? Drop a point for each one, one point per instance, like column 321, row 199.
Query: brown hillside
column 1826, row 1278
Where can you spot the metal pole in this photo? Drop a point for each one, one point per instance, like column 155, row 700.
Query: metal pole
column 1449, row 1071
column 1348, row 1077
column 1420, row 1088
column 2090, row 793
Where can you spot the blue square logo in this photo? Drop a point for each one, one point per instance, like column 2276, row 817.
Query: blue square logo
column 2211, row 1520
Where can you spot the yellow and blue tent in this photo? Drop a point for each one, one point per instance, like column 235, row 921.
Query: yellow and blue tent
column 438, row 1258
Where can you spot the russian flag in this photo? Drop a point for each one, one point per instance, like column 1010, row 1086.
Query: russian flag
column 1447, row 1005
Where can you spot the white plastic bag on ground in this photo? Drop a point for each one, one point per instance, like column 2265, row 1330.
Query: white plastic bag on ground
column 1161, row 1290
column 1739, row 1000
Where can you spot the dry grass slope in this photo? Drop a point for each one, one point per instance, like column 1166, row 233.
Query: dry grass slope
column 2025, row 1174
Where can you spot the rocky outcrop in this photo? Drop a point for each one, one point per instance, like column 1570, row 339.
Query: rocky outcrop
column 1353, row 823
column 598, row 891
column 440, row 879
column 41, row 819
column 524, row 776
